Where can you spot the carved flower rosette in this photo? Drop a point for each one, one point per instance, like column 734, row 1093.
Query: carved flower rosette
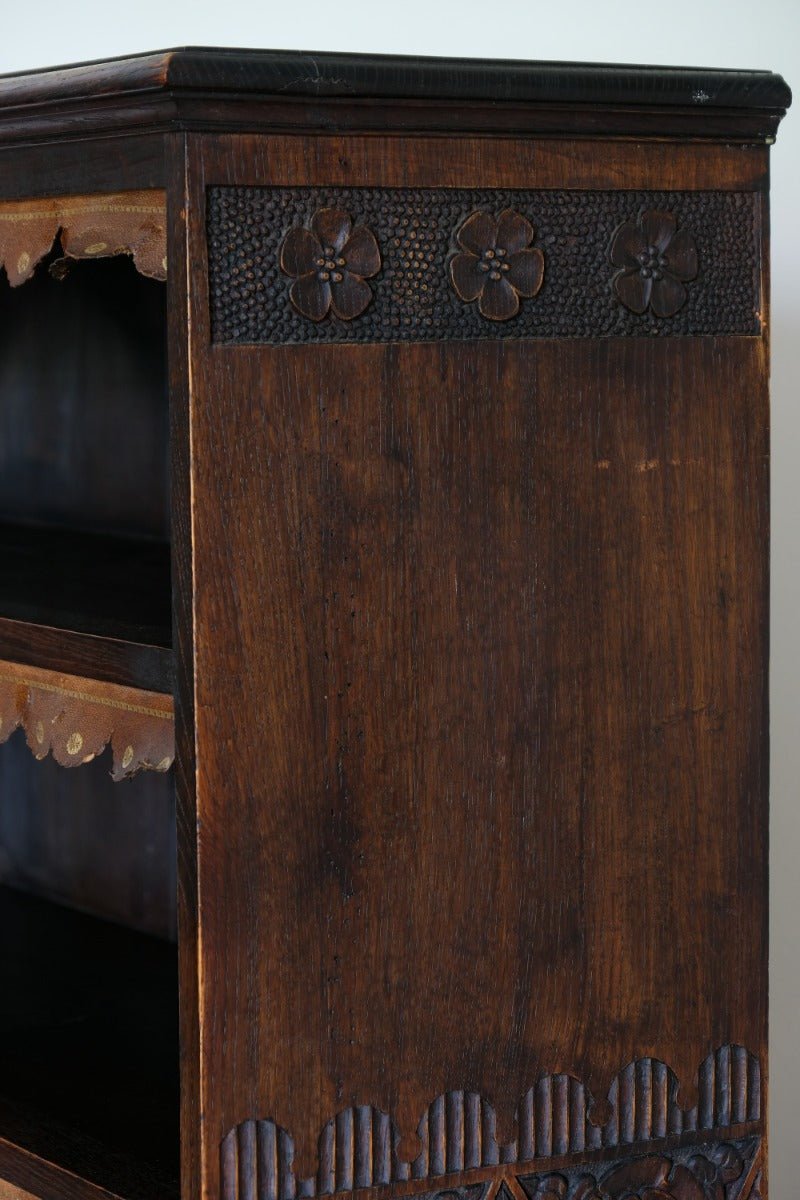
column 330, row 263
column 496, row 263
column 655, row 260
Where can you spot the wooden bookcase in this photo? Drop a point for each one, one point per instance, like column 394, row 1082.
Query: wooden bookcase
column 400, row 470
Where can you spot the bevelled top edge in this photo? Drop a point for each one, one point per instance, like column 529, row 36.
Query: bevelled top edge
column 304, row 73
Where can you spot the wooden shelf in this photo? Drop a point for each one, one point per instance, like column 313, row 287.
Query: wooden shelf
column 88, row 1055
column 88, row 604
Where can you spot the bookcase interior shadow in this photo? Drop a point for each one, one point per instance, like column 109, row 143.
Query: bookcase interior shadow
column 89, row 1009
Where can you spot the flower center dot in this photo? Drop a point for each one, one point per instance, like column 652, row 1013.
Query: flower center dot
column 652, row 263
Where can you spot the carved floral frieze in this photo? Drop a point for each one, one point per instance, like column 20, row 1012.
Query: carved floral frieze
column 366, row 265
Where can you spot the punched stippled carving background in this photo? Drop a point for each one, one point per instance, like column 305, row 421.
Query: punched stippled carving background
column 413, row 298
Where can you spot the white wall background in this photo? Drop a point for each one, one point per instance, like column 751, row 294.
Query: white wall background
column 719, row 33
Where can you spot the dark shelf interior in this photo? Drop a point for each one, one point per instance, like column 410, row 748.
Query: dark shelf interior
column 84, row 474
column 89, row 1047
column 84, row 419
column 110, row 586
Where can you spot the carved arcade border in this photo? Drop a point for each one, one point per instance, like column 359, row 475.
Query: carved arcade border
column 359, row 1147
column 132, row 223
column 74, row 719
column 307, row 265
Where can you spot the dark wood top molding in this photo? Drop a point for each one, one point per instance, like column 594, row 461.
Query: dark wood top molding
column 209, row 88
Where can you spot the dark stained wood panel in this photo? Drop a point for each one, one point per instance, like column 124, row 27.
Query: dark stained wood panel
column 501, row 720
column 349, row 160
column 113, row 660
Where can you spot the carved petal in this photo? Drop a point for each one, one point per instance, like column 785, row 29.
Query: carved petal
column 526, row 270
column 299, row 252
column 350, row 297
column 681, row 255
column 633, row 290
column 311, row 296
column 332, row 226
column 498, row 300
column 658, row 229
column 626, row 245
column 478, row 233
column 514, row 232
column 635, row 1176
column 684, row 1186
column 361, row 253
column 466, row 278
column 667, row 296
column 586, row 1189
column 552, row 1187
column 728, row 1161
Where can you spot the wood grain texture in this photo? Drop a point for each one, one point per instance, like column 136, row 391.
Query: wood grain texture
column 113, row 660
column 185, row 274
column 348, row 160
column 513, row 640
column 505, row 607
column 101, row 164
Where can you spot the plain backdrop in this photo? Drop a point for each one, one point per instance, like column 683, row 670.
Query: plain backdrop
column 719, row 33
